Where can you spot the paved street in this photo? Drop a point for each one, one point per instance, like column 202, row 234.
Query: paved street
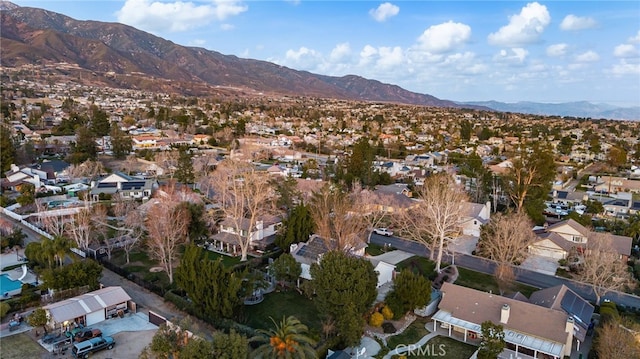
column 535, row 279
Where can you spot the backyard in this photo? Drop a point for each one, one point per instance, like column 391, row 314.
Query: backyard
column 283, row 304
column 441, row 347
column 467, row 278
column 411, row 335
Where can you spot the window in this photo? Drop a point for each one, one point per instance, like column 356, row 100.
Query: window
column 577, row 239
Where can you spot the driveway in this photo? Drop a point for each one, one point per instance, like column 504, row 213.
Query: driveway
column 540, row 264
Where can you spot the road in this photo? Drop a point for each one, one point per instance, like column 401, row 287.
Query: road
column 535, row 279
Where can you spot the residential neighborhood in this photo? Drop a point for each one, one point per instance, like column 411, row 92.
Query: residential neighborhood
column 351, row 222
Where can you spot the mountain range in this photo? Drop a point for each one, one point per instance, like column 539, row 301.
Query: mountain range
column 112, row 50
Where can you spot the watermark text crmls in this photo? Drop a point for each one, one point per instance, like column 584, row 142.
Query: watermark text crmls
column 433, row 350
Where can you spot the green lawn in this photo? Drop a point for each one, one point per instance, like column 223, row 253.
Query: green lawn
column 418, row 265
column 467, row 278
column 441, row 347
column 411, row 335
column 228, row 261
column 487, row 282
column 20, row 346
column 279, row 304
column 374, row 249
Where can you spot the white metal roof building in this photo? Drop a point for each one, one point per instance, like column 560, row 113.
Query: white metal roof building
column 89, row 308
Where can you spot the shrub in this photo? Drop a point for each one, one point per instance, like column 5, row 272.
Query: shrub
column 376, row 319
column 395, row 305
column 388, row 327
column 387, row 313
column 562, row 262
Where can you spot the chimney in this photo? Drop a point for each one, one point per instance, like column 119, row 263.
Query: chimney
column 293, row 247
column 569, row 327
column 504, row 313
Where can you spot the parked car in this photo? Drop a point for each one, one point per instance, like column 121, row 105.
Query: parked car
column 87, row 333
column 14, row 325
column 84, row 349
column 384, row 232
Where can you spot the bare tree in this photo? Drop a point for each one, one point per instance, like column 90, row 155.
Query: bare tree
column 52, row 224
column 167, row 223
column 168, row 160
column 338, row 217
column 81, row 229
column 614, row 340
column 374, row 207
column 506, row 238
column 505, row 276
column 244, row 196
column 602, row 266
column 87, row 169
column 438, row 216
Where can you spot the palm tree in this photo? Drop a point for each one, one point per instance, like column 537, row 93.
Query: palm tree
column 61, row 247
column 288, row 339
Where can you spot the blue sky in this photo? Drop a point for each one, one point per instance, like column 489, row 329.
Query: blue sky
column 545, row 51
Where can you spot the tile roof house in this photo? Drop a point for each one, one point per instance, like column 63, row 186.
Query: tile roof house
column 557, row 240
column 89, row 308
column 529, row 329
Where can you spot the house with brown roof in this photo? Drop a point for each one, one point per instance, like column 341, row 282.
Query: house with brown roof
column 530, row 330
column 557, row 240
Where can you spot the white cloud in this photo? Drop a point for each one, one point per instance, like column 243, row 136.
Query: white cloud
column 340, row 52
column 625, row 68
column 589, row 56
column 176, row 16
column 523, row 28
column 227, row 27
column 197, row 42
column 444, row 37
column 515, row 56
column 575, row 23
column 557, row 50
column 384, row 12
column 390, row 56
column 625, row 50
column 303, row 58
column 635, row 39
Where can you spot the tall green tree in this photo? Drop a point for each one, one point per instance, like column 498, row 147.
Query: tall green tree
column 288, row 339
column 84, row 148
column 230, row 346
column 212, row 288
column 492, row 343
column 410, row 290
column 286, row 269
column 529, row 180
column 121, row 143
column 184, row 171
column 99, row 121
column 359, row 165
column 345, row 286
column 197, row 348
column 298, row 227
column 617, row 156
column 77, row 274
column 465, row 130
column 7, row 149
column 27, row 194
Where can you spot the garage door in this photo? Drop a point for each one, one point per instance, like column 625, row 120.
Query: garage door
column 545, row 252
column 95, row 317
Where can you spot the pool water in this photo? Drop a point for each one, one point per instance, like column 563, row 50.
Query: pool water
column 8, row 285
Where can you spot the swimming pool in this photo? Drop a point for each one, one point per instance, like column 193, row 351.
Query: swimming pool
column 8, row 285
column 54, row 204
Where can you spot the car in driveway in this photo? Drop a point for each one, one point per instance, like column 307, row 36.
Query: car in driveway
column 383, row 232
column 84, row 349
column 87, row 333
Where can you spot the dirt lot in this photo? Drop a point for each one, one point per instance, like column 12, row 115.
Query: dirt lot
column 128, row 345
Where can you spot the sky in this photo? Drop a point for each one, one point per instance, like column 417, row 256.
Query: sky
column 508, row 51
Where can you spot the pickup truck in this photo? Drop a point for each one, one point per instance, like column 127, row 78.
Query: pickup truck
column 85, row 348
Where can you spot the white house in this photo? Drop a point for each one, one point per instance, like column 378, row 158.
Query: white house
column 90, row 308
column 474, row 216
column 260, row 236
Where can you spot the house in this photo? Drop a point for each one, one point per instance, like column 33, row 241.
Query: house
column 90, row 308
column 260, row 236
column 391, row 198
column 307, row 253
column 564, row 299
column 125, row 185
column 529, row 329
column 17, row 176
column 557, row 240
column 474, row 215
